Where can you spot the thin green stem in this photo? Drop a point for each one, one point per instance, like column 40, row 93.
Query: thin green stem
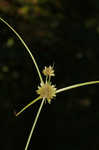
column 46, row 79
column 77, row 85
column 34, row 124
column 28, row 105
column 22, row 41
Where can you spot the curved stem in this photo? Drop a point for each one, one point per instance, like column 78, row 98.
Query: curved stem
column 34, row 124
column 31, row 103
column 77, row 85
column 33, row 59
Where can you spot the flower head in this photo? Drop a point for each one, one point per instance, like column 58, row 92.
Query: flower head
column 48, row 71
column 47, row 91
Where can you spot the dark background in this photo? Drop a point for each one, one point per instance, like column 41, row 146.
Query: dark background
column 60, row 32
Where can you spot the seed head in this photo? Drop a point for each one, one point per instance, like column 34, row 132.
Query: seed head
column 47, row 91
column 48, row 71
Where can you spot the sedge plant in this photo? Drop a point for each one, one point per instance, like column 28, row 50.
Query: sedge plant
column 46, row 91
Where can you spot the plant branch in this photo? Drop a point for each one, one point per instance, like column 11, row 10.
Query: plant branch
column 34, row 124
column 22, row 41
column 28, row 105
column 77, row 85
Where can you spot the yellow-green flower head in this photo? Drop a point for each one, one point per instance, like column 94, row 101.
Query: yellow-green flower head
column 47, row 91
column 48, row 71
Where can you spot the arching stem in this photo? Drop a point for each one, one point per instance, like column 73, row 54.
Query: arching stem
column 76, row 85
column 28, row 105
column 34, row 124
column 22, row 41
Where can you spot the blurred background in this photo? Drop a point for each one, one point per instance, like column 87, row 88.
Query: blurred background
column 60, row 32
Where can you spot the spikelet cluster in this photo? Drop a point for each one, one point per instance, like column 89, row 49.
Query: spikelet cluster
column 47, row 90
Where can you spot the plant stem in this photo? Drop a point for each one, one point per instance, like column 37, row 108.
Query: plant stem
column 34, row 124
column 77, row 85
column 22, row 41
column 31, row 103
